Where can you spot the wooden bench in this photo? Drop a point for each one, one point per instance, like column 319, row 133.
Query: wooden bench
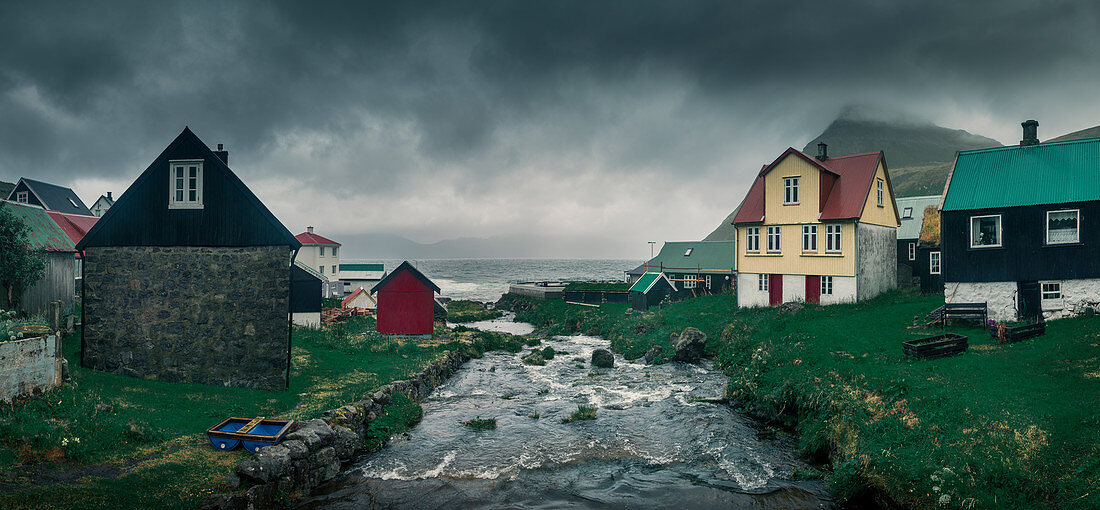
column 966, row 311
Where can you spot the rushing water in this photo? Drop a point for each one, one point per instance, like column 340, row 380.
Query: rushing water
column 658, row 441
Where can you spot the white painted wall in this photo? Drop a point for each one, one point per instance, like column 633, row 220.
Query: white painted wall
column 310, row 319
column 748, row 291
column 844, row 291
column 794, row 288
column 999, row 297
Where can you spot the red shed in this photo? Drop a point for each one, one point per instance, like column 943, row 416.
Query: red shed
column 406, row 302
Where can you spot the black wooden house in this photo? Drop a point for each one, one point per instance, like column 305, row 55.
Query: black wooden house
column 1018, row 228
column 188, row 277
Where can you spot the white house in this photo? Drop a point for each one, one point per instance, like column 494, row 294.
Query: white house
column 323, row 255
column 102, row 204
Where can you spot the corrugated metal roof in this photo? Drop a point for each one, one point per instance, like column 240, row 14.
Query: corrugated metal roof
column 75, row 225
column 405, row 266
column 910, row 227
column 44, row 233
column 704, row 257
column 644, row 282
column 1047, row 173
column 362, row 267
column 311, row 238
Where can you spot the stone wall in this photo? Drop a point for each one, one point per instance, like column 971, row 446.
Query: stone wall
column 28, row 365
column 216, row 316
column 314, row 451
column 877, row 260
column 999, row 297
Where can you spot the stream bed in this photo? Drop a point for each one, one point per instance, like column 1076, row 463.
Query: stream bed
column 659, row 440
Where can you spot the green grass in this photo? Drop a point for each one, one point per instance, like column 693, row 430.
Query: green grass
column 13, row 327
column 461, row 310
column 582, row 413
column 115, row 433
column 1001, row 426
column 480, row 423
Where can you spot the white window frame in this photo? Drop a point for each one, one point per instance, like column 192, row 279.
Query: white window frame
column 881, row 185
column 1055, row 294
column 334, row 269
column 935, row 263
column 21, row 197
column 777, row 232
column 707, row 277
column 1000, row 231
column 322, row 268
column 790, row 190
column 1046, row 228
column 762, row 282
column 689, row 281
column 832, row 233
column 809, row 238
column 912, row 251
column 321, row 251
column 752, row 240
column 688, row 252
column 826, row 285
column 334, row 251
column 907, row 213
column 185, row 203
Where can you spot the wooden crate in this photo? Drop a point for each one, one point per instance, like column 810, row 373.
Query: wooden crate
column 938, row 346
column 1008, row 335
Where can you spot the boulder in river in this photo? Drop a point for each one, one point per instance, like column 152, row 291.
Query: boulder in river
column 689, row 346
column 603, row 358
column 535, row 357
column 652, row 354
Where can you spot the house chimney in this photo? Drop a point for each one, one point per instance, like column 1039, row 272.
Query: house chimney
column 222, row 154
column 309, row 229
column 822, row 151
column 1031, row 128
column 109, row 196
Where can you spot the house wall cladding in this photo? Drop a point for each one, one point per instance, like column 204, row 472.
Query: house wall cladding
column 877, row 270
column 58, row 284
column 214, row 316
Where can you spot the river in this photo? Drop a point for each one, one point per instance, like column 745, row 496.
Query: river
column 658, row 441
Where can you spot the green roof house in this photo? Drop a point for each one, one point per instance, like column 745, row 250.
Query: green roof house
column 59, row 283
column 1017, row 228
column 698, row 267
column 650, row 289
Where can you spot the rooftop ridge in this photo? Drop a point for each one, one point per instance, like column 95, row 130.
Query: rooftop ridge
column 1040, row 144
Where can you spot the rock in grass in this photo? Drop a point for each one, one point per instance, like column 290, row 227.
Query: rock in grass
column 689, row 346
column 603, row 358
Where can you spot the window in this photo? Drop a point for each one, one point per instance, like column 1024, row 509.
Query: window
column 762, row 281
column 186, row 184
column 832, row 238
column 826, row 285
column 773, row 239
column 985, row 231
column 21, row 197
column 790, row 190
column 322, row 254
column 708, row 281
column 934, row 262
column 1051, row 290
column 878, row 184
column 333, row 269
column 809, row 238
column 912, row 251
column 752, row 240
column 688, row 252
column 907, row 213
column 1062, row 227
column 689, row 281
column 333, row 251
column 322, row 268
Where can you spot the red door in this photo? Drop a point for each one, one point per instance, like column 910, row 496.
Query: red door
column 813, row 289
column 775, row 289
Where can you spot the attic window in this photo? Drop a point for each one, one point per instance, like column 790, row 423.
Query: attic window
column 907, row 213
column 71, row 201
column 688, row 252
column 879, row 184
column 21, row 197
column 185, row 184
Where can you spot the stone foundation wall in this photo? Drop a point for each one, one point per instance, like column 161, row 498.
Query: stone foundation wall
column 999, row 297
column 216, row 316
column 28, row 365
column 314, row 451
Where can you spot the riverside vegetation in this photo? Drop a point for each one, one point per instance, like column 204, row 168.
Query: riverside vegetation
column 1001, row 426
column 461, row 310
column 110, row 441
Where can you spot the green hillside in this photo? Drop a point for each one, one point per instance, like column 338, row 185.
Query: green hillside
column 5, row 189
column 1092, row 132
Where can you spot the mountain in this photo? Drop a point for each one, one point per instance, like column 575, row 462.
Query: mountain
column 724, row 231
column 5, row 189
column 1092, row 132
column 391, row 246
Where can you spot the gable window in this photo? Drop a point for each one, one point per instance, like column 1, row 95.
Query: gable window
column 809, row 238
column 752, row 240
column 689, row 281
column 186, row 184
column 762, row 281
column 907, row 213
column 1063, row 227
column 832, row 238
column 985, row 231
column 826, row 285
column 688, row 252
column 934, row 262
column 333, row 251
column 912, row 251
column 790, row 190
column 21, row 197
column 879, row 185
column 773, row 239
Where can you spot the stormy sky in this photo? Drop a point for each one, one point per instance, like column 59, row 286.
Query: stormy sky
column 597, row 126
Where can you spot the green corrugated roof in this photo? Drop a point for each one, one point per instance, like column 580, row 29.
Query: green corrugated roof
column 910, row 227
column 362, row 267
column 44, row 233
column 644, row 282
column 1047, row 173
column 706, row 256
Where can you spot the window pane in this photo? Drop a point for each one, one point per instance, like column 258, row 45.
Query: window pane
column 179, row 195
column 985, row 231
column 1062, row 227
column 179, row 183
column 193, row 171
column 179, row 172
column 191, row 196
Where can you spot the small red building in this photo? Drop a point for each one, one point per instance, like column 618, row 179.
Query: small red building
column 406, row 302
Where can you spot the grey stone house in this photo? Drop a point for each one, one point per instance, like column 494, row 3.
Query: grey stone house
column 187, row 277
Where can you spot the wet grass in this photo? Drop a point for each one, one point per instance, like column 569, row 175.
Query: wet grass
column 480, row 423
column 1001, row 426
column 582, row 413
column 461, row 310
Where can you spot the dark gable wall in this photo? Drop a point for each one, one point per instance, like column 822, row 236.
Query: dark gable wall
column 1024, row 255
column 231, row 215
column 31, row 199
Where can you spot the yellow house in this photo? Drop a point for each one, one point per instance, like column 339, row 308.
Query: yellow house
column 817, row 229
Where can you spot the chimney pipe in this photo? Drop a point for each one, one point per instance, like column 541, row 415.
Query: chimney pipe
column 822, row 151
column 1031, row 129
column 222, row 154
column 109, row 196
column 309, row 229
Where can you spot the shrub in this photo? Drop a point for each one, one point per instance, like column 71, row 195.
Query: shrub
column 582, row 413
column 481, row 424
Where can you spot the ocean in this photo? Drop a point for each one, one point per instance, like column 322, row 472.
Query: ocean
column 488, row 279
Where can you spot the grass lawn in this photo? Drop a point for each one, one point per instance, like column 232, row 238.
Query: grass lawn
column 1002, row 426
column 110, row 441
column 461, row 310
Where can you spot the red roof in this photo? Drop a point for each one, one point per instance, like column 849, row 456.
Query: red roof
column 311, row 238
column 843, row 194
column 75, row 225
